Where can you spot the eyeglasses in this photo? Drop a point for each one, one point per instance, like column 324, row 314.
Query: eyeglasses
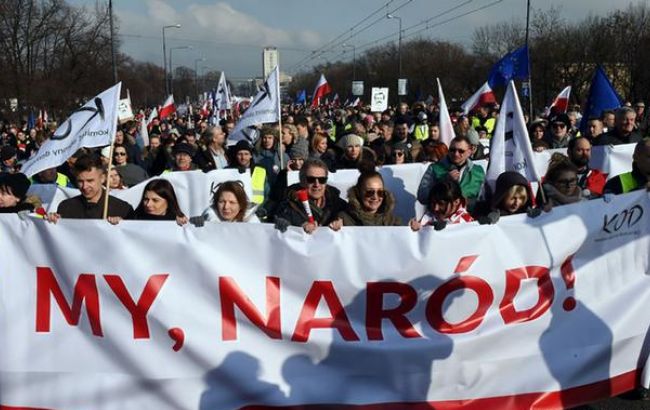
column 399, row 153
column 312, row 180
column 559, row 125
column 458, row 150
column 369, row 193
column 567, row 182
column 120, row 154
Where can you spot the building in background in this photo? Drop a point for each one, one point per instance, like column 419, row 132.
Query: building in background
column 270, row 59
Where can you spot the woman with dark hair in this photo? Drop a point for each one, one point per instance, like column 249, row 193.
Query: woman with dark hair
column 158, row 203
column 446, row 205
column 13, row 194
column 369, row 203
column 561, row 182
column 230, row 204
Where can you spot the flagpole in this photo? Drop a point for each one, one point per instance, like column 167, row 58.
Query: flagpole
column 531, row 113
column 108, row 180
column 277, row 90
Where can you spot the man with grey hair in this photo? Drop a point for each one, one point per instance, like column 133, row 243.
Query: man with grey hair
column 324, row 200
column 624, row 131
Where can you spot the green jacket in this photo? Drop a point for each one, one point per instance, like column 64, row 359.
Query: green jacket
column 470, row 182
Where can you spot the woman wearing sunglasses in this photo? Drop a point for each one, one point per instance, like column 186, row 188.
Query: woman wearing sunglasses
column 561, row 182
column 369, row 203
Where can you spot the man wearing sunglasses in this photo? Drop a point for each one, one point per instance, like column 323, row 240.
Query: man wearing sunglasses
column 559, row 131
column 324, row 201
column 456, row 166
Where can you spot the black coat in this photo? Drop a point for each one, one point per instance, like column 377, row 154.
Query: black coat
column 292, row 210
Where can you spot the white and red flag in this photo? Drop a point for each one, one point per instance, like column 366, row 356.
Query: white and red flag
column 561, row 102
column 482, row 96
column 446, row 126
column 168, row 108
column 336, row 101
column 322, row 89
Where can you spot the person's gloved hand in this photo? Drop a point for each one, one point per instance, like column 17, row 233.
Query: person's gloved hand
column 439, row 225
column 261, row 213
column 197, row 221
column 534, row 212
column 281, row 224
column 489, row 219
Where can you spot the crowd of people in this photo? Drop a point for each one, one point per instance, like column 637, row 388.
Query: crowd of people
column 317, row 142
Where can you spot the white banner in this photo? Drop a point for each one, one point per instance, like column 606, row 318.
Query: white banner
column 194, row 189
column 92, row 125
column 152, row 315
column 403, row 180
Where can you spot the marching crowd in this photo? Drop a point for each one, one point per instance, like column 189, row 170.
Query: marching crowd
column 317, row 142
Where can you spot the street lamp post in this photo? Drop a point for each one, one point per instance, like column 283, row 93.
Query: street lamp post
column 196, row 75
column 113, row 60
column 399, row 43
column 399, row 50
column 165, row 56
column 171, row 67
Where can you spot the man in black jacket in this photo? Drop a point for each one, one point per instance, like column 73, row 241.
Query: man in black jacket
column 624, row 131
column 324, row 200
column 91, row 178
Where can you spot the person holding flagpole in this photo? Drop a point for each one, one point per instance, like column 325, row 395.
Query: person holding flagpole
column 91, row 178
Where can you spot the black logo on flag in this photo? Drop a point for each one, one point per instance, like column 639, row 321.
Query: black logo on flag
column 98, row 110
column 266, row 93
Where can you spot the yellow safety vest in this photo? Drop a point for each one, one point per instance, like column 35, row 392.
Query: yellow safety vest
column 62, row 180
column 258, row 181
column 489, row 124
column 421, row 132
column 628, row 182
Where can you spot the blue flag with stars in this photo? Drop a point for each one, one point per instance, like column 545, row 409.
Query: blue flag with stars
column 301, row 97
column 512, row 66
column 602, row 96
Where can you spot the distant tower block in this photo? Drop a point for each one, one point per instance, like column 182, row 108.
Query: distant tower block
column 270, row 59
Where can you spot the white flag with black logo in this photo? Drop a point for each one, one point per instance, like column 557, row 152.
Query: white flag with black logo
column 92, row 125
column 222, row 99
column 265, row 108
column 510, row 148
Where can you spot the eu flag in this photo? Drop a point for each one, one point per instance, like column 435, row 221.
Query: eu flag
column 602, row 96
column 301, row 97
column 31, row 121
column 513, row 66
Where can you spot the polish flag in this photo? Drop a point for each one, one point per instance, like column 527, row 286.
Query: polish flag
column 322, row 88
column 204, row 111
column 446, row 127
column 168, row 108
column 336, row 101
column 561, row 102
column 482, row 96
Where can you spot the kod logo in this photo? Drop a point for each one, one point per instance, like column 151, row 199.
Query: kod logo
column 624, row 219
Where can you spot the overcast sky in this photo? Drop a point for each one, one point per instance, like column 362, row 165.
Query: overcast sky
column 230, row 35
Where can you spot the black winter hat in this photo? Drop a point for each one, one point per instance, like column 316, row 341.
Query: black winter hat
column 17, row 183
column 242, row 145
column 7, row 152
column 183, row 147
